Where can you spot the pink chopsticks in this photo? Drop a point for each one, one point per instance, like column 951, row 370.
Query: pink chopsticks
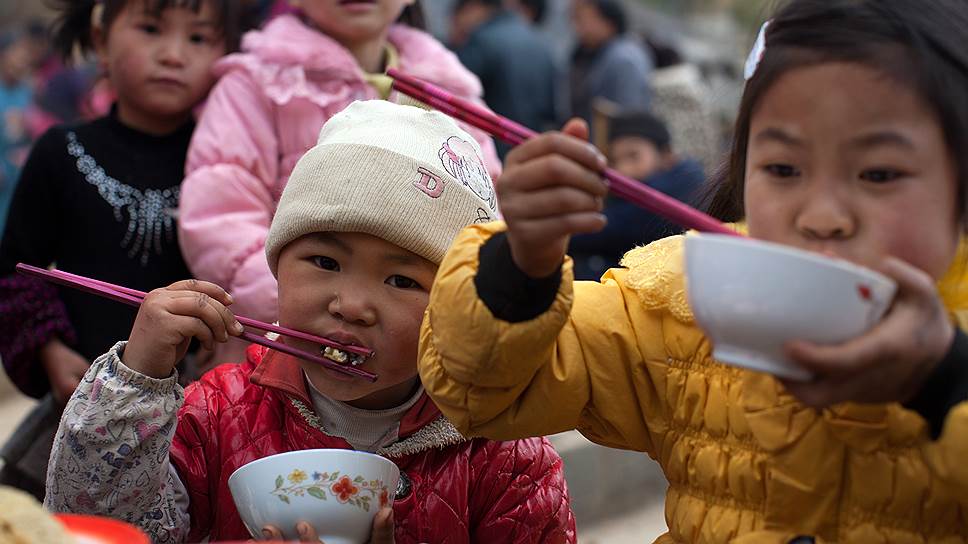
column 513, row 133
column 134, row 297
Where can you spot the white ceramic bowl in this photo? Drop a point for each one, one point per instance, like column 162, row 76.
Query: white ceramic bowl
column 337, row 491
column 751, row 297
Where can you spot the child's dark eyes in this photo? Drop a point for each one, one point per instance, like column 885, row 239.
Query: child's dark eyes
column 402, row 282
column 396, row 280
column 781, row 170
column 149, row 28
column 883, row 175
column 326, row 263
column 199, row 39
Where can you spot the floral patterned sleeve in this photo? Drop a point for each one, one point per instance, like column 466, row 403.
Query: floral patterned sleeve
column 110, row 455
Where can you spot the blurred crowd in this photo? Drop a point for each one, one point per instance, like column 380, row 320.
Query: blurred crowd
column 648, row 108
column 614, row 77
column 37, row 90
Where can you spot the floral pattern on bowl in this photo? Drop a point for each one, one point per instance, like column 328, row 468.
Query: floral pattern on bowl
column 355, row 491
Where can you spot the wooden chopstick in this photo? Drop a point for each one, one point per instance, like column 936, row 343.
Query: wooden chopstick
column 133, row 297
column 513, row 133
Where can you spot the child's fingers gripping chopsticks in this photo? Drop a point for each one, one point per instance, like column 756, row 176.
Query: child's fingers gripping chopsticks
column 170, row 317
column 212, row 302
column 571, row 142
column 134, row 297
column 551, row 189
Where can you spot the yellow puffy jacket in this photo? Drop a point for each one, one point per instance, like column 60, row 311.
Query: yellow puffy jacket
column 624, row 362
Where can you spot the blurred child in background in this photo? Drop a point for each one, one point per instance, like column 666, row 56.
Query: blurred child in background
column 99, row 199
column 639, row 147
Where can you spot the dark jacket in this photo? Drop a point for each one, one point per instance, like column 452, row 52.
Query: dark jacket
column 516, row 69
column 618, row 71
column 630, row 226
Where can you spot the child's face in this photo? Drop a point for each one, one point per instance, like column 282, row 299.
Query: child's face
column 635, row 157
column 353, row 22
column 362, row 290
column 160, row 65
column 846, row 161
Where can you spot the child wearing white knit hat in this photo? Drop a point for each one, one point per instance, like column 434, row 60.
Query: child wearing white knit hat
column 366, row 217
column 416, row 191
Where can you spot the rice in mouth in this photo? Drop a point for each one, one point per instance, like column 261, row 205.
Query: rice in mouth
column 342, row 357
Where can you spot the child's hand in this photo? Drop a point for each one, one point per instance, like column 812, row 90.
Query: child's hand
column 65, row 368
column 891, row 362
column 170, row 317
column 382, row 530
column 551, row 188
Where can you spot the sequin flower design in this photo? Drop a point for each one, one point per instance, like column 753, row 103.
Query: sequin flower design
column 149, row 212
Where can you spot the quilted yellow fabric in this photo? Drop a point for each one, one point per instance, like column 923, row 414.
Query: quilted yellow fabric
column 623, row 362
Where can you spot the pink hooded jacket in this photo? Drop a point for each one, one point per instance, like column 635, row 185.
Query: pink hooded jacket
column 266, row 112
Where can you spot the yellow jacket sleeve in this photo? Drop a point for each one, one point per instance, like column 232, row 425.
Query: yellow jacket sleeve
column 948, row 456
column 586, row 363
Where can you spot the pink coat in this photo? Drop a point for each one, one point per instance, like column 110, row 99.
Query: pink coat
column 266, row 112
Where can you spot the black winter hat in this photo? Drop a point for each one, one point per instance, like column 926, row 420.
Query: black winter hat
column 613, row 12
column 641, row 125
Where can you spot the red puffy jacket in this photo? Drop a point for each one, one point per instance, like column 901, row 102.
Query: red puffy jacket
column 461, row 490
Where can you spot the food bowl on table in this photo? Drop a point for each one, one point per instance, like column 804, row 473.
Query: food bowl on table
column 336, row 491
column 752, row 297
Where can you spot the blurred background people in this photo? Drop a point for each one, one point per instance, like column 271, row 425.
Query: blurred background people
column 607, row 63
column 681, row 98
column 16, row 96
column 511, row 59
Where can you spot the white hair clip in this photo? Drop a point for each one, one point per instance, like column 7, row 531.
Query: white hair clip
column 97, row 15
column 756, row 55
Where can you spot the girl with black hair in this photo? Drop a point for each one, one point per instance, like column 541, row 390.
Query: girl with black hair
column 851, row 141
column 99, row 198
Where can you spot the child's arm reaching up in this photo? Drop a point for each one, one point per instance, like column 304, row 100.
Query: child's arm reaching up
column 551, row 191
column 110, row 454
column 510, row 346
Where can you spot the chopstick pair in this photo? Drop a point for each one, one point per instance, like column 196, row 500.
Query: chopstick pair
column 134, row 297
column 513, row 133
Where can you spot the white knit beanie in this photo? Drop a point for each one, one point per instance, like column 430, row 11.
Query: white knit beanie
column 409, row 176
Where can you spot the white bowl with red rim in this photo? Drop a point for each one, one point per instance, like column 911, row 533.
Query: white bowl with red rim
column 336, row 491
column 752, row 297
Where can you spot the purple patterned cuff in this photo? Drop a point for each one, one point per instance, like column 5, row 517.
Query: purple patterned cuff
column 31, row 314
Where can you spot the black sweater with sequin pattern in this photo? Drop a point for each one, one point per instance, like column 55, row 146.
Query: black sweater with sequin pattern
column 99, row 199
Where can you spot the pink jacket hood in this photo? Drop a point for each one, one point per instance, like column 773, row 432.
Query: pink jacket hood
column 287, row 54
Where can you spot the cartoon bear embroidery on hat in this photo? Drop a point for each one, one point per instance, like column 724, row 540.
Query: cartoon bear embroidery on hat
column 461, row 160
